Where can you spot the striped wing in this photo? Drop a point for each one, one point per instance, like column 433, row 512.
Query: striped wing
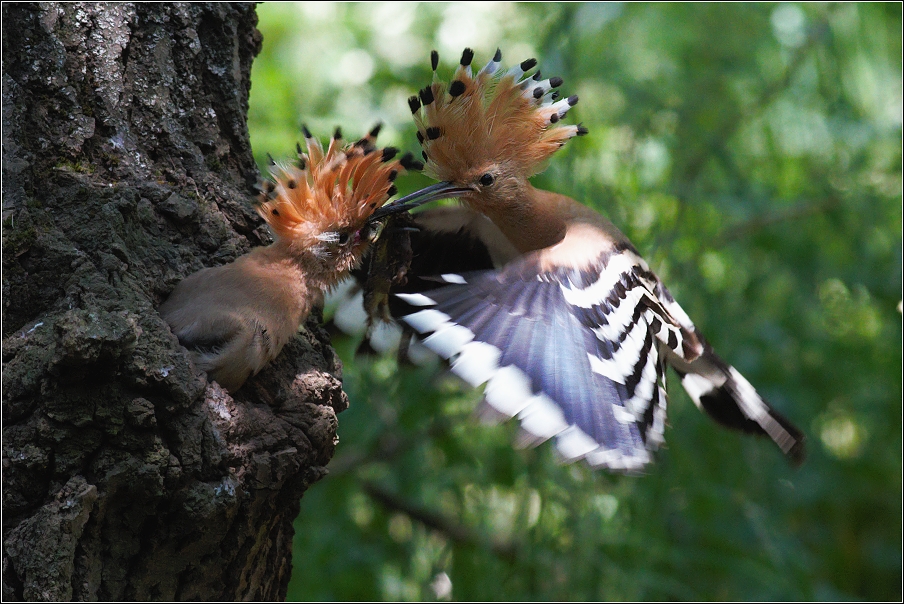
column 725, row 395
column 575, row 355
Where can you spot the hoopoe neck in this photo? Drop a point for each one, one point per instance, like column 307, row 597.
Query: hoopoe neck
column 534, row 219
column 567, row 232
column 531, row 218
column 300, row 280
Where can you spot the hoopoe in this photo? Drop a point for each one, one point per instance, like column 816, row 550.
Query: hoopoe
column 324, row 211
column 573, row 334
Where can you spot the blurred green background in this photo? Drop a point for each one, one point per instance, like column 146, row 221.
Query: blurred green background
column 753, row 154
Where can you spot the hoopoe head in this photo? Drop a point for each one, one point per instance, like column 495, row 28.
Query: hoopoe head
column 322, row 206
column 484, row 134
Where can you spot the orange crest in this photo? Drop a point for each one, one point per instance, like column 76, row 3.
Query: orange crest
column 325, row 192
column 495, row 116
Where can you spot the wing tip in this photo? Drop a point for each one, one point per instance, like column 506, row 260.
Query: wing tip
column 737, row 405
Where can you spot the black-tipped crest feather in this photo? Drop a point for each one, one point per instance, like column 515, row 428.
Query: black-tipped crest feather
column 465, row 122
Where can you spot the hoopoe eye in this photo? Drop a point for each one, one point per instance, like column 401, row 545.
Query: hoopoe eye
column 487, row 179
column 342, row 239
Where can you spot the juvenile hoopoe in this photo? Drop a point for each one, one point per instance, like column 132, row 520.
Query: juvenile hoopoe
column 573, row 334
column 324, row 211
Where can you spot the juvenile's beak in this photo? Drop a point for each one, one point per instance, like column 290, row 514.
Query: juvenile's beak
column 440, row 190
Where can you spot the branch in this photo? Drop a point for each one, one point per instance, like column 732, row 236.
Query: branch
column 440, row 523
column 749, row 227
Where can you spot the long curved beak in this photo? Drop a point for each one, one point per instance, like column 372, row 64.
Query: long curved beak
column 441, row 190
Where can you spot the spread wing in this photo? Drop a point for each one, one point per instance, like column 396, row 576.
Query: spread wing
column 575, row 355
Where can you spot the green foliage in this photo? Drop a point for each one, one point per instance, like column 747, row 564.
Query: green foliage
column 753, row 154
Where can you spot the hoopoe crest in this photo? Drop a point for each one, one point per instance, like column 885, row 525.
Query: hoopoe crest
column 321, row 203
column 494, row 117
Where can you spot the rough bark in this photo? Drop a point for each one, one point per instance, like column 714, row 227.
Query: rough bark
column 126, row 164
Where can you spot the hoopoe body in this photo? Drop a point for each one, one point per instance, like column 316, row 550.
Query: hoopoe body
column 236, row 318
column 573, row 334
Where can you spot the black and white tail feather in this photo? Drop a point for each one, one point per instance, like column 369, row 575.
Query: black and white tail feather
column 581, row 356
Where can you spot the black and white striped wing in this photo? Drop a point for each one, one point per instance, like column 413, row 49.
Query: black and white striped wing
column 571, row 355
column 725, row 395
column 716, row 387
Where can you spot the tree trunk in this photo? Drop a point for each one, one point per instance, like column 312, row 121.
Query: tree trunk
column 126, row 167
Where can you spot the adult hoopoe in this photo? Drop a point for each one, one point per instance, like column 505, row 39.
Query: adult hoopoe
column 573, row 335
column 324, row 210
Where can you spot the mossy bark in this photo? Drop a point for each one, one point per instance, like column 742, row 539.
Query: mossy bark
column 126, row 167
